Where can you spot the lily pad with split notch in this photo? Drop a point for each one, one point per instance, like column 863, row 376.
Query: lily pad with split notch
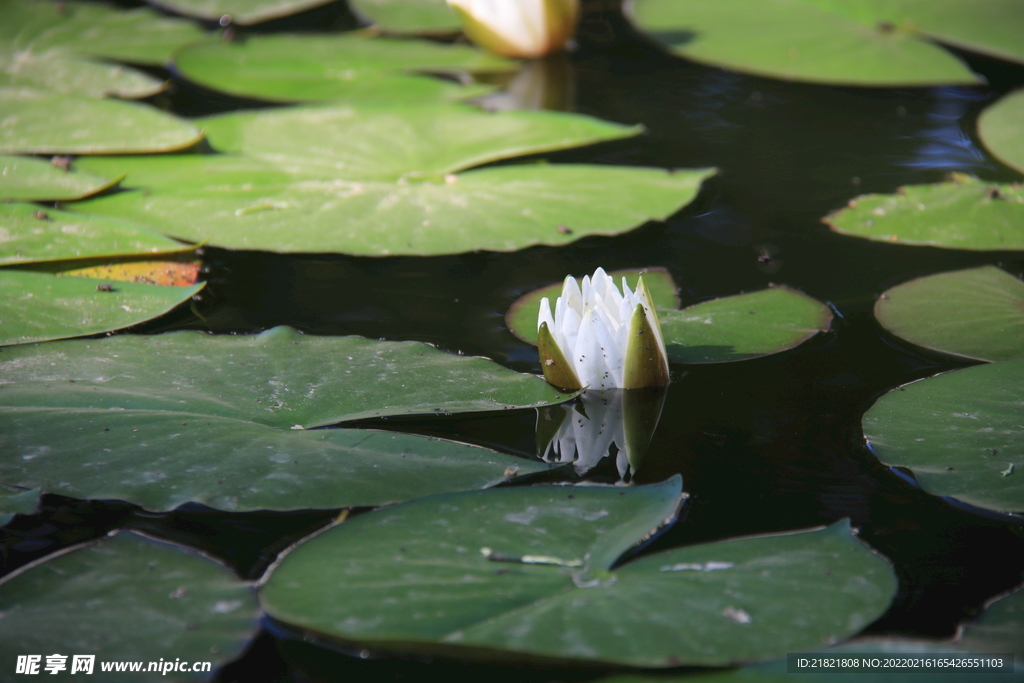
column 127, row 598
column 529, row 571
column 960, row 433
column 284, row 203
column 160, row 421
column 976, row 313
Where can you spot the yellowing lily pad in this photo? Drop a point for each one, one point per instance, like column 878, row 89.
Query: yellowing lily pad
column 1000, row 129
column 127, row 598
column 960, row 433
column 867, row 43
column 976, row 313
column 163, row 273
column 160, row 421
column 43, row 122
column 30, row 179
column 963, row 213
column 529, row 571
column 30, row 233
column 352, row 67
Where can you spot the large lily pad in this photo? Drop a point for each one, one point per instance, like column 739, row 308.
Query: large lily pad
column 29, row 179
column 964, row 213
column 999, row 631
column 409, row 16
column 1000, row 129
column 422, row 576
column 960, row 433
column 245, row 203
column 870, row 43
column 387, row 143
column 357, row 67
column 40, row 306
column 241, row 12
column 31, row 234
column 163, row 420
column 137, row 35
column 976, row 313
column 126, row 598
column 521, row 317
column 42, row 122
column 743, row 326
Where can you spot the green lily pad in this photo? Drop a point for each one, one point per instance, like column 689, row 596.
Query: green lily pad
column 160, row 421
column 40, row 306
column 30, row 179
column 127, row 598
column 387, row 143
column 64, row 72
column 960, row 433
column 999, row 631
column 254, row 205
column 241, row 12
column 357, row 67
column 976, row 313
column 1000, row 129
column 41, row 122
column 521, row 317
column 743, row 326
column 964, row 213
column 32, row 234
column 409, row 16
column 17, row 501
column 528, row 570
column 868, row 43
column 137, row 35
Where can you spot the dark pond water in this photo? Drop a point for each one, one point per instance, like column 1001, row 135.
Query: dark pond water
column 763, row 445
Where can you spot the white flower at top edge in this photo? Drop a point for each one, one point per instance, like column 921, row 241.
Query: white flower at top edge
column 518, row 28
column 601, row 337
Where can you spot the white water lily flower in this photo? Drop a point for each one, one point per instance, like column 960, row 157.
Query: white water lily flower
column 518, row 28
column 601, row 338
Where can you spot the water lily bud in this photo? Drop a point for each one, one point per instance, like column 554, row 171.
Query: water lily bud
column 601, row 338
column 518, row 28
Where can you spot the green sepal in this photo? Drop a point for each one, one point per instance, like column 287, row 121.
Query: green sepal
column 558, row 372
column 646, row 365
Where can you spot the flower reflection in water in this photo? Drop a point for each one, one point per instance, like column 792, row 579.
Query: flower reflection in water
column 616, row 423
